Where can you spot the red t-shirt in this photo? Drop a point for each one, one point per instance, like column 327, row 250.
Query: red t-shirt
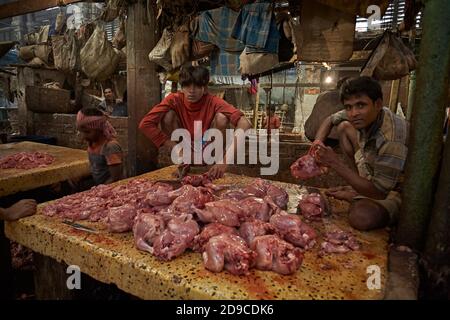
column 203, row 110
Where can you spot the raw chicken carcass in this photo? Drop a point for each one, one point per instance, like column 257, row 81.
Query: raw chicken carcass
column 147, row 226
column 187, row 199
column 292, row 229
column 312, row 206
column 120, row 219
column 261, row 188
column 306, row 167
column 160, row 195
column 229, row 252
column 227, row 212
column 209, row 231
column 256, row 208
column 177, row 237
column 277, row 255
column 252, row 229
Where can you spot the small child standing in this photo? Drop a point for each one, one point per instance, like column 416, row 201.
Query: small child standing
column 105, row 153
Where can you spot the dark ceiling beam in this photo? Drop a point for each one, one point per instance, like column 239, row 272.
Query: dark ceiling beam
column 20, row 7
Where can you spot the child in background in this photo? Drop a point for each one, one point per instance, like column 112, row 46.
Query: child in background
column 105, row 153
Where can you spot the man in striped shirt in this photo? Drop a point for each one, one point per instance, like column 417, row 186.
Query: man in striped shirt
column 375, row 141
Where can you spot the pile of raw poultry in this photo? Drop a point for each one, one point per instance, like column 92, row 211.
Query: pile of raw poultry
column 233, row 229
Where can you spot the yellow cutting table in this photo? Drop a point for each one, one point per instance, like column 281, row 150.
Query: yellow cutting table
column 113, row 258
column 69, row 163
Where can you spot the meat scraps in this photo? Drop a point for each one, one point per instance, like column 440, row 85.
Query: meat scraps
column 312, row 206
column 339, row 241
column 94, row 204
column 202, row 180
column 229, row 252
column 26, row 160
column 292, row 229
column 306, row 167
column 277, row 255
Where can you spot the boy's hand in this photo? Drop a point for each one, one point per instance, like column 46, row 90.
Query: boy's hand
column 23, row 208
column 217, row 171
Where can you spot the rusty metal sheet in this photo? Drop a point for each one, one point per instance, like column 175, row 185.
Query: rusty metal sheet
column 113, row 258
column 69, row 163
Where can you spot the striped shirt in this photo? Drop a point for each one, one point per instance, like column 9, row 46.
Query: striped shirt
column 382, row 150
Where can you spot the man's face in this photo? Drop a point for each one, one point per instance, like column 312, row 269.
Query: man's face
column 109, row 95
column 90, row 135
column 362, row 111
column 193, row 93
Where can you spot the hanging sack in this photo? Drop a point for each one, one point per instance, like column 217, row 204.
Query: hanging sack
column 324, row 34
column 119, row 40
column 254, row 63
column 390, row 60
column 180, row 48
column 60, row 23
column 98, row 58
column 161, row 52
column 66, row 52
column 112, row 10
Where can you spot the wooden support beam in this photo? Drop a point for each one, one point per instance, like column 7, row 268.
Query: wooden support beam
column 144, row 89
column 393, row 101
column 20, row 7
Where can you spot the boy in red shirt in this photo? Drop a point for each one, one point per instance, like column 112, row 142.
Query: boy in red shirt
column 193, row 103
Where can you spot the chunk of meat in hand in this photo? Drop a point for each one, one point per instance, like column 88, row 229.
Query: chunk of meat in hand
column 277, row 255
column 250, row 230
column 307, row 167
column 147, row 226
column 120, row 219
column 292, row 229
column 176, row 238
column 312, row 206
column 227, row 212
column 209, row 231
column 229, row 252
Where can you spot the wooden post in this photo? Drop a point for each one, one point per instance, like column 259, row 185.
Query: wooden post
column 50, row 279
column 425, row 143
column 393, row 100
column 144, row 89
column 256, row 108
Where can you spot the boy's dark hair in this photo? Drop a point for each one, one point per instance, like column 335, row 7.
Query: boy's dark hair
column 89, row 111
column 198, row 76
column 361, row 85
column 341, row 82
